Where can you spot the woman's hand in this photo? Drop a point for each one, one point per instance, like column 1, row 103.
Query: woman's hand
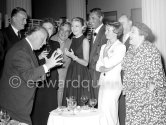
column 70, row 54
column 43, row 54
column 104, row 69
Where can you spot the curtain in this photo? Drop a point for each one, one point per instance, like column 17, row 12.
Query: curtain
column 154, row 15
column 26, row 4
column 76, row 8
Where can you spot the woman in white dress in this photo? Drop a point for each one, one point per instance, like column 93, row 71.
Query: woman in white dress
column 109, row 64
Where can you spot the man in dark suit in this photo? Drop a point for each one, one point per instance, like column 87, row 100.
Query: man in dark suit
column 126, row 24
column 12, row 34
column 98, row 39
column 21, row 75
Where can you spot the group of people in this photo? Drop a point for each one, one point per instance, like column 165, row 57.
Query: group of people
column 119, row 66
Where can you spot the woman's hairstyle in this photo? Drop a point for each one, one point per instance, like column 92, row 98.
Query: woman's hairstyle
column 79, row 19
column 117, row 28
column 145, row 31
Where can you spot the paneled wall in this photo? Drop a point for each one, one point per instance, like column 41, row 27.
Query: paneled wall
column 122, row 6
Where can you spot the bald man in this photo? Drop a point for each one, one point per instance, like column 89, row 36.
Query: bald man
column 21, row 75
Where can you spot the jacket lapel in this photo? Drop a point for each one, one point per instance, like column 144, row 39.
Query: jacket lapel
column 96, row 42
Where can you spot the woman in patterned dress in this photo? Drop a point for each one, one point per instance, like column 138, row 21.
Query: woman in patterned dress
column 144, row 80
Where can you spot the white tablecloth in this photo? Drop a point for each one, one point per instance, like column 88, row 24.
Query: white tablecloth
column 84, row 117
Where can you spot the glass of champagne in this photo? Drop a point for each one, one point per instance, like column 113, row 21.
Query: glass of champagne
column 92, row 103
column 73, row 105
column 5, row 117
column 84, row 99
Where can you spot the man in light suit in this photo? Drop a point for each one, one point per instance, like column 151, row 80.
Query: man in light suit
column 21, row 74
column 12, row 34
column 95, row 19
column 62, row 38
column 126, row 24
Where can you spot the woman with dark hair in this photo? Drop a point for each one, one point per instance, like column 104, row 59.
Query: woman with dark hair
column 46, row 95
column 144, row 80
column 109, row 64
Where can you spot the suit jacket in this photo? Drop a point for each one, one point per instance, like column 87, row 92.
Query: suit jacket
column 7, row 39
column 16, row 95
column 127, row 44
column 94, row 53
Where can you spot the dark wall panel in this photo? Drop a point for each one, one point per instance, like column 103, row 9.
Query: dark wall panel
column 48, row 8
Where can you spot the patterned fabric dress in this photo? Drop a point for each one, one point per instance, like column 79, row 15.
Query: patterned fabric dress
column 78, row 80
column 143, row 67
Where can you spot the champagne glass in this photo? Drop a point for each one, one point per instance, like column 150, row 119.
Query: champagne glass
column 92, row 103
column 5, row 117
column 73, row 104
column 84, row 99
column 72, row 98
column 1, row 113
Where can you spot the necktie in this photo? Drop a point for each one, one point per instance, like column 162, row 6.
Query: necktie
column 19, row 34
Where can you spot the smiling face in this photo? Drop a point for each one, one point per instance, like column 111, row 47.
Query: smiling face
column 135, row 38
column 95, row 20
column 110, row 34
column 64, row 32
column 19, row 20
column 77, row 27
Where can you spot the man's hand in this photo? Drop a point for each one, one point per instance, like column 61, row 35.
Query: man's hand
column 54, row 60
column 43, row 54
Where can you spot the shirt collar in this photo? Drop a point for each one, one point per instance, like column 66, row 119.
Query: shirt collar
column 29, row 43
column 15, row 30
column 98, row 28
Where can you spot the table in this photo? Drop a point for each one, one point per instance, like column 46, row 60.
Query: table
column 83, row 117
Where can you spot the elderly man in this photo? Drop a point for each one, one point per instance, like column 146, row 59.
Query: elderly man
column 21, row 74
column 65, row 42
column 11, row 34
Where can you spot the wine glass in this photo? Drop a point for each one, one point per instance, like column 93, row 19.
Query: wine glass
column 92, row 103
column 1, row 113
column 73, row 104
column 5, row 117
column 72, row 98
column 84, row 99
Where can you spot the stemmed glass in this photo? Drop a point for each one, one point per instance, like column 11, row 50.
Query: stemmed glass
column 84, row 99
column 92, row 103
column 72, row 105
column 4, row 116
column 69, row 100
